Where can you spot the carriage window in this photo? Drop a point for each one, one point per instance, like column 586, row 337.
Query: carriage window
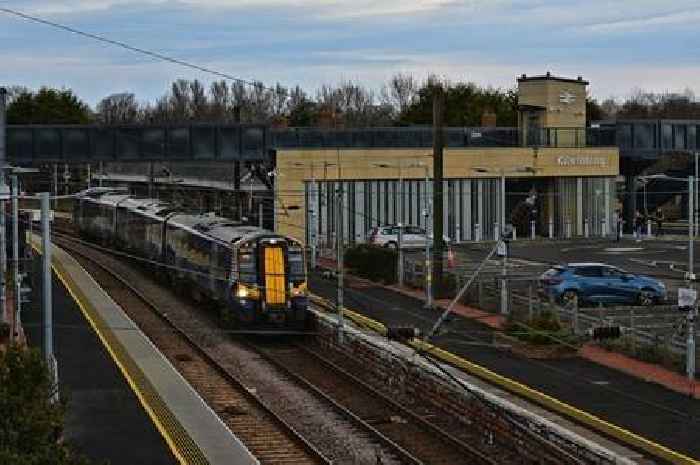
column 295, row 257
column 246, row 266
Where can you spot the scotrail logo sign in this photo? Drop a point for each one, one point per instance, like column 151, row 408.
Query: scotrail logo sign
column 567, row 97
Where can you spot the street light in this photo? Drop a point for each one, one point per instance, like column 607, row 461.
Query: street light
column 502, row 226
column 400, row 222
column 400, row 270
column 315, row 206
column 14, row 196
column 690, row 342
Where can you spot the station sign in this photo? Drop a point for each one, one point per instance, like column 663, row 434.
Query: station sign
column 687, row 297
column 566, row 160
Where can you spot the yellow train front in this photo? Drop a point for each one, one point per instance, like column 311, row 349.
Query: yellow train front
column 269, row 282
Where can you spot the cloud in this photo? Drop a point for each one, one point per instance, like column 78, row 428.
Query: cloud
column 683, row 17
column 324, row 8
column 617, row 45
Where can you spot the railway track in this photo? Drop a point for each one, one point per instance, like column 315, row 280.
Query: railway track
column 267, row 435
column 410, row 434
column 394, row 434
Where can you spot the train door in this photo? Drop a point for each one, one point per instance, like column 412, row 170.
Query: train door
column 274, row 275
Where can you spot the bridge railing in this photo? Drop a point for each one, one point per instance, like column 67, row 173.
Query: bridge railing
column 67, row 143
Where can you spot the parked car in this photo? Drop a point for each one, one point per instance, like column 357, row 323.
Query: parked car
column 600, row 283
column 413, row 237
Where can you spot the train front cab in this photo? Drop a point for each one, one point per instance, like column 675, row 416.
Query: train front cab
column 270, row 286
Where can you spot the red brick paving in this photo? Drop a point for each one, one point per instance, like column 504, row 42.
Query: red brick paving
column 646, row 371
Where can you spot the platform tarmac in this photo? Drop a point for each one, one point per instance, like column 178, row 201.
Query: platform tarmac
column 104, row 418
column 643, row 408
column 105, row 359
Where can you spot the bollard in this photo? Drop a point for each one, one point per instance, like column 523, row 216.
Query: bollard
column 648, row 228
column 568, row 229
column 496, row 232
column 551, row 229
column 458, row 234
column 477, row 232
column 586, row 228
column 603, row 227
column 515, row 233
column 532, row 229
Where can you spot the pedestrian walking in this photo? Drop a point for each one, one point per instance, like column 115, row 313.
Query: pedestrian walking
column 659, row 221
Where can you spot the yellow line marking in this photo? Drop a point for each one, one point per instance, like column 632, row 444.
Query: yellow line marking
column 170, row 441
column 529, row 393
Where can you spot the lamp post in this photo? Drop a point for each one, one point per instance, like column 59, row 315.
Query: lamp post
column 502, row 227
column 400, row 268
column 3, row 193
column 690, row 275
column 696, row 198
column 399, row 245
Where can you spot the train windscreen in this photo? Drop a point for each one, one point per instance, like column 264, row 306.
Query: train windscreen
column 295, row 256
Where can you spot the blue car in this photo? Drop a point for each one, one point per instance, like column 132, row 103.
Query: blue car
column 600, row 283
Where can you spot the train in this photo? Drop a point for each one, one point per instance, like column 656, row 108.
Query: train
column 254, row 277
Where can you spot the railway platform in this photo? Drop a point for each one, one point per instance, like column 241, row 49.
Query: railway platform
column 189, row 430
column 631, row 411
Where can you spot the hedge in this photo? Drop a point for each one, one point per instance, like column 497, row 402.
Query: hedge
column 372, row 262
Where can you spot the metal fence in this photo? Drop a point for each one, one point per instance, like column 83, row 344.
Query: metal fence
column 654, row 328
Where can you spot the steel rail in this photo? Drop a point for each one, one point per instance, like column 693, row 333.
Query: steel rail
column 404, row 411
column 400, row 451
column 223, row 372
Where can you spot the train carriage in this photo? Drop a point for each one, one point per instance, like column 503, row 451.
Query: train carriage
column 256, row 277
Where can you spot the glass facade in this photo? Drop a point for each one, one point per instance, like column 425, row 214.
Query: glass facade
column 574, row 206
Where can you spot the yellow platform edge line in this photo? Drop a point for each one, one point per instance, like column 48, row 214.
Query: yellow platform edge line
column 627, row 437
column 162, row 429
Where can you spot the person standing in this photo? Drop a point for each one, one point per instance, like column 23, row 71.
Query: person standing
column 619, row 222
column 637, row 225
column 659, row 221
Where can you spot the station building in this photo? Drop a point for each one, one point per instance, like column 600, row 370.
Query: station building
column 567, row 172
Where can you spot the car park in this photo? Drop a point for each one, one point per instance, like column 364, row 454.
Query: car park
column 600, row 283
column 413, row 237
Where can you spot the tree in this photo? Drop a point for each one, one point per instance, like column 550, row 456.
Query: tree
column 594, row 112
column 401, row 91
column 118, row 109
column 180, row 101
column 302, row 110
column 199, row 104
column 220, row 101
column 31, row 425
column 47, row 106
column 609, row 107
column 465, row 104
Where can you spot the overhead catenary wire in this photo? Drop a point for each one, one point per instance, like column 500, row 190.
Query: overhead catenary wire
column 140, row 50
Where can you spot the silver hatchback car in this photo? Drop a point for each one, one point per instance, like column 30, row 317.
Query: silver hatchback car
column 413, row 237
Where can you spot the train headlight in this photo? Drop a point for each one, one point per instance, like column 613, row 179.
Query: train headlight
column 246, row 292
column 300, row 291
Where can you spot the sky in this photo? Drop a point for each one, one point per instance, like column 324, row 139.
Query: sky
column 616, row 45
